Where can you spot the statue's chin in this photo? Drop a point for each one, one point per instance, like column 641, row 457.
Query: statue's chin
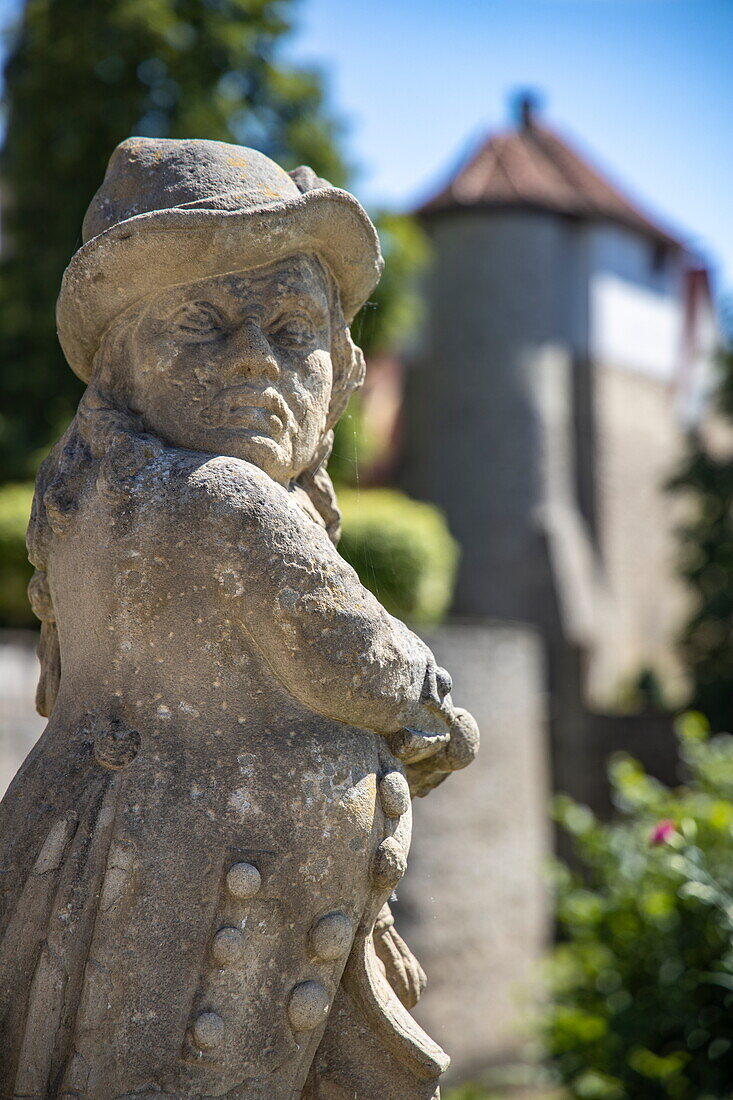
column 250, row 444
column 262, row 451
column 255, row 446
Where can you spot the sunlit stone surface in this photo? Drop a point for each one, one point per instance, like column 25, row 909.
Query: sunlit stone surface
column 199, row 852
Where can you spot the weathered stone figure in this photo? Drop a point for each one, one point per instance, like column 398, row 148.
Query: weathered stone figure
column 197, row 855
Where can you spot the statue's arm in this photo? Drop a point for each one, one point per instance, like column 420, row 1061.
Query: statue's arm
column 325, row 636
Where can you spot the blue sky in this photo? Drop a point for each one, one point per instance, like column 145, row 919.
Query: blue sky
column 645, row 86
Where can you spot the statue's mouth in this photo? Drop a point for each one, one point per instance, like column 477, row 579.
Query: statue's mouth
column 262, row 412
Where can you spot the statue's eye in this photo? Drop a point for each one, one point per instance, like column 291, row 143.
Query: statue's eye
column 293, row 331
column 198, row 318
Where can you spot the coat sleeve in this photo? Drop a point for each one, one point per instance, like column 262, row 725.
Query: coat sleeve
column 325, row 636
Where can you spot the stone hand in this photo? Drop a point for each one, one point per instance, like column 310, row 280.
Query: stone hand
column 427, row 729
column 428, row 769
column 413, row 745
column 425, row 733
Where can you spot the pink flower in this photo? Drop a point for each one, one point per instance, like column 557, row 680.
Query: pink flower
column 662, row 832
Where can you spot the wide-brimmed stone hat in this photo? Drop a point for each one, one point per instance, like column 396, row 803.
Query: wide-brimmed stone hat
column 170, row 212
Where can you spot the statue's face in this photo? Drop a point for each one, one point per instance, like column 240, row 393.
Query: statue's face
column 239, row 364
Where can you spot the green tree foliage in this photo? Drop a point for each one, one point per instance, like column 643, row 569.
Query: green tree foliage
column 707, row 565
column 83, row 75
column 390, row 317
column 641, row 984
column 385, row 324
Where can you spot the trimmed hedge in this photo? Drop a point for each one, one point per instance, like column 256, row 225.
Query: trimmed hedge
column 402, row 550
column 15, row 569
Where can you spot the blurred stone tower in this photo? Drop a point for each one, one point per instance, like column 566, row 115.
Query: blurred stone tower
column 567, row 338
column 568, row 335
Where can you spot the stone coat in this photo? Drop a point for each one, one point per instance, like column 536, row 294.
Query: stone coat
column 197, row 845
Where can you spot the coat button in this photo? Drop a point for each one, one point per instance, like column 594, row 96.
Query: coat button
column 243, row 880
column 208, row 1030
column 308, row 1006
column 331, row 936
column 390, row 864
column 227, row 946
column 394, row 794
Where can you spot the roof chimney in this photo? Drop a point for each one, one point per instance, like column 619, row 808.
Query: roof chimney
column 526, row 106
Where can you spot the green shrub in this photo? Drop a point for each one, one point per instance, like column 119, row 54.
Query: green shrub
column 469, row 1092
column 402, row 551
column 641, row 986
column 354, row 447
column 15, row 569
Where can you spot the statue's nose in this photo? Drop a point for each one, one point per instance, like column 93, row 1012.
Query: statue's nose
column 252, row 354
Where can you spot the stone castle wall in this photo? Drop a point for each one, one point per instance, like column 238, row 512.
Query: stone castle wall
column 473, row 434
column 20, row 725
column 639, row 447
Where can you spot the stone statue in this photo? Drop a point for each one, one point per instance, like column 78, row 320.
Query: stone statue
column 197, row 855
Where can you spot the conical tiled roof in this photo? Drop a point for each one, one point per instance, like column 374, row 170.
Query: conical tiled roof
column 534, row 167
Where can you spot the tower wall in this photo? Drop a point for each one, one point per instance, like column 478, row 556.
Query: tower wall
column 506, row 296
